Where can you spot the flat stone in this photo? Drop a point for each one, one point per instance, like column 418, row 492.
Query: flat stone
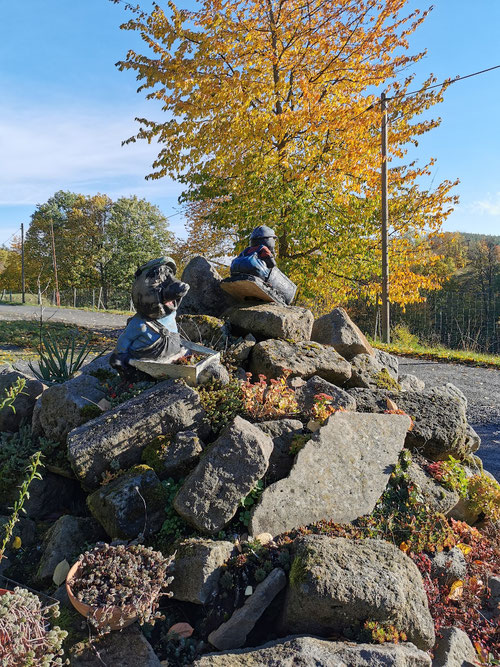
column 337, row 329
column 228, row 470
column 61, row 406
column 233, row 633
column 306, row 395
column 240, row 352
column 337, row 583
column 272, row 320
column 127, row 648
column 117, row 438
column 273, row 357
column 435, row 494
column 66, row 539
column 11, row 419
column 132, row 504
column 360, row 450
column 454, row 649
column 282, row 432
column 205, row 296
column 313, row 652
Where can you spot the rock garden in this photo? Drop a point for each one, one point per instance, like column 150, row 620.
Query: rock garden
column 303, row 503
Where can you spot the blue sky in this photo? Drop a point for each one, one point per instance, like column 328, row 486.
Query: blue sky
column 65, row 108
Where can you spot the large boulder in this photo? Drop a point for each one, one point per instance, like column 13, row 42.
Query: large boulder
column 454, row 649
column 62, row 406
column 337, row 584
column 117, row 438
column 439, row 420
column 306, row 394
column 273, row 320
column 229, row 469
column 273, row 357
column 205, row 296
column 282, row 432
column 66, row 539
column 205, row 330
column 233, row 633
column 11, row 419
column 315, row 652
column 339, row 474
column 198, row 567
column 132, row 504
column 337, row 329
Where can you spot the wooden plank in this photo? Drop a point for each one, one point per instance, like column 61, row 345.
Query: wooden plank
column 247, row 290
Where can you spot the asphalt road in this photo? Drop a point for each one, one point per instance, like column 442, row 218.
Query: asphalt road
column 481, row 386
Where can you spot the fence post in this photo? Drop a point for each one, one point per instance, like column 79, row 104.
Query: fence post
column 93, row 298
column 74, row 297
column 10, row 295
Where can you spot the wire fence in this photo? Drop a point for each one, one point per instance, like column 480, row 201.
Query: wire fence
column 95, row 299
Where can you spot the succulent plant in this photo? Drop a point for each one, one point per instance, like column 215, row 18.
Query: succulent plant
column 122, row 576
column 26, row 637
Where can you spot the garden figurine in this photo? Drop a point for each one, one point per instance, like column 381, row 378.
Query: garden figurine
column 151, row 334
column 258, row 259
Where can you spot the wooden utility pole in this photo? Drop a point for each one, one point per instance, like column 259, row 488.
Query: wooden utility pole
column 385, row 319
column 58, row 298
column 23, row 286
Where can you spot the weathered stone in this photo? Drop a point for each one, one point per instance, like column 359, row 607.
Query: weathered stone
column 214, row 372
column 466, row 511
column 438, row 414
column 337, row 329
column 205, row 296
column 339, row 474
column 239, row 352
column 119, row 436
column 98, row 364
column 272, row 320
column 10, row 420
column 61, row 405
column 130, row 505
column 409, row 382
column 472, row 440
column 338, row 583
column 127, row 648
column 273, row 357
column 450, row 391
column 448, row 566
column 52, row 495
column 282, row 432
column 435, row 494
column 314, row 652
column 368, row 372
column 229, row 469
column 388, row 361
column 316, row 385
column 66, row 539
column 454, row 649
column 198, row 566
column 25, row 529
column 173, row 457
column 233, row 633
column 494, row 599
column 204, row 329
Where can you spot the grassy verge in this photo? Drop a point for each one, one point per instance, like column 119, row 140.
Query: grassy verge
column 443, row 354
column 25, row 335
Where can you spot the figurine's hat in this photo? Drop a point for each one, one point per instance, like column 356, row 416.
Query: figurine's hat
column 154, row 263
column 262, row 232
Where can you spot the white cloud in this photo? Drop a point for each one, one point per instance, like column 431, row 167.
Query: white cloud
column 489, row 206
column 45, row 150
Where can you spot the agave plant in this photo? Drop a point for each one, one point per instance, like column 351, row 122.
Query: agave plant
column 57, row 362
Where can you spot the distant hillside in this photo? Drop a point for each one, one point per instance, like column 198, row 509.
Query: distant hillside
column 475, row 238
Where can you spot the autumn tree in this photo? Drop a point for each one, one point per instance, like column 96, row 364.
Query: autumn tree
column 272, row 103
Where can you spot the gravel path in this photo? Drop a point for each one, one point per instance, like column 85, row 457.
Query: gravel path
column 84, row 318
column 481, row 386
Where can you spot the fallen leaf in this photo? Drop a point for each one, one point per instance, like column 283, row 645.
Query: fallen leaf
column 456, row 590
column 60, row 572
column 264, row 538
column 16, row 544
column 181, row 630
column 464, row 548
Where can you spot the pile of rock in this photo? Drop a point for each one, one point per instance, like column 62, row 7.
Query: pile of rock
column 335, row 584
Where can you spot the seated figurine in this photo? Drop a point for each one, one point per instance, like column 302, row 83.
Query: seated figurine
column 151, row 334
column 254, row 274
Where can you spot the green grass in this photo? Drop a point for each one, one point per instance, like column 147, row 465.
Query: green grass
column 440, row 353
column 25, row 334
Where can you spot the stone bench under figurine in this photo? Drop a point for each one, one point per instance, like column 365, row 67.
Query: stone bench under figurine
column 254, row 274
